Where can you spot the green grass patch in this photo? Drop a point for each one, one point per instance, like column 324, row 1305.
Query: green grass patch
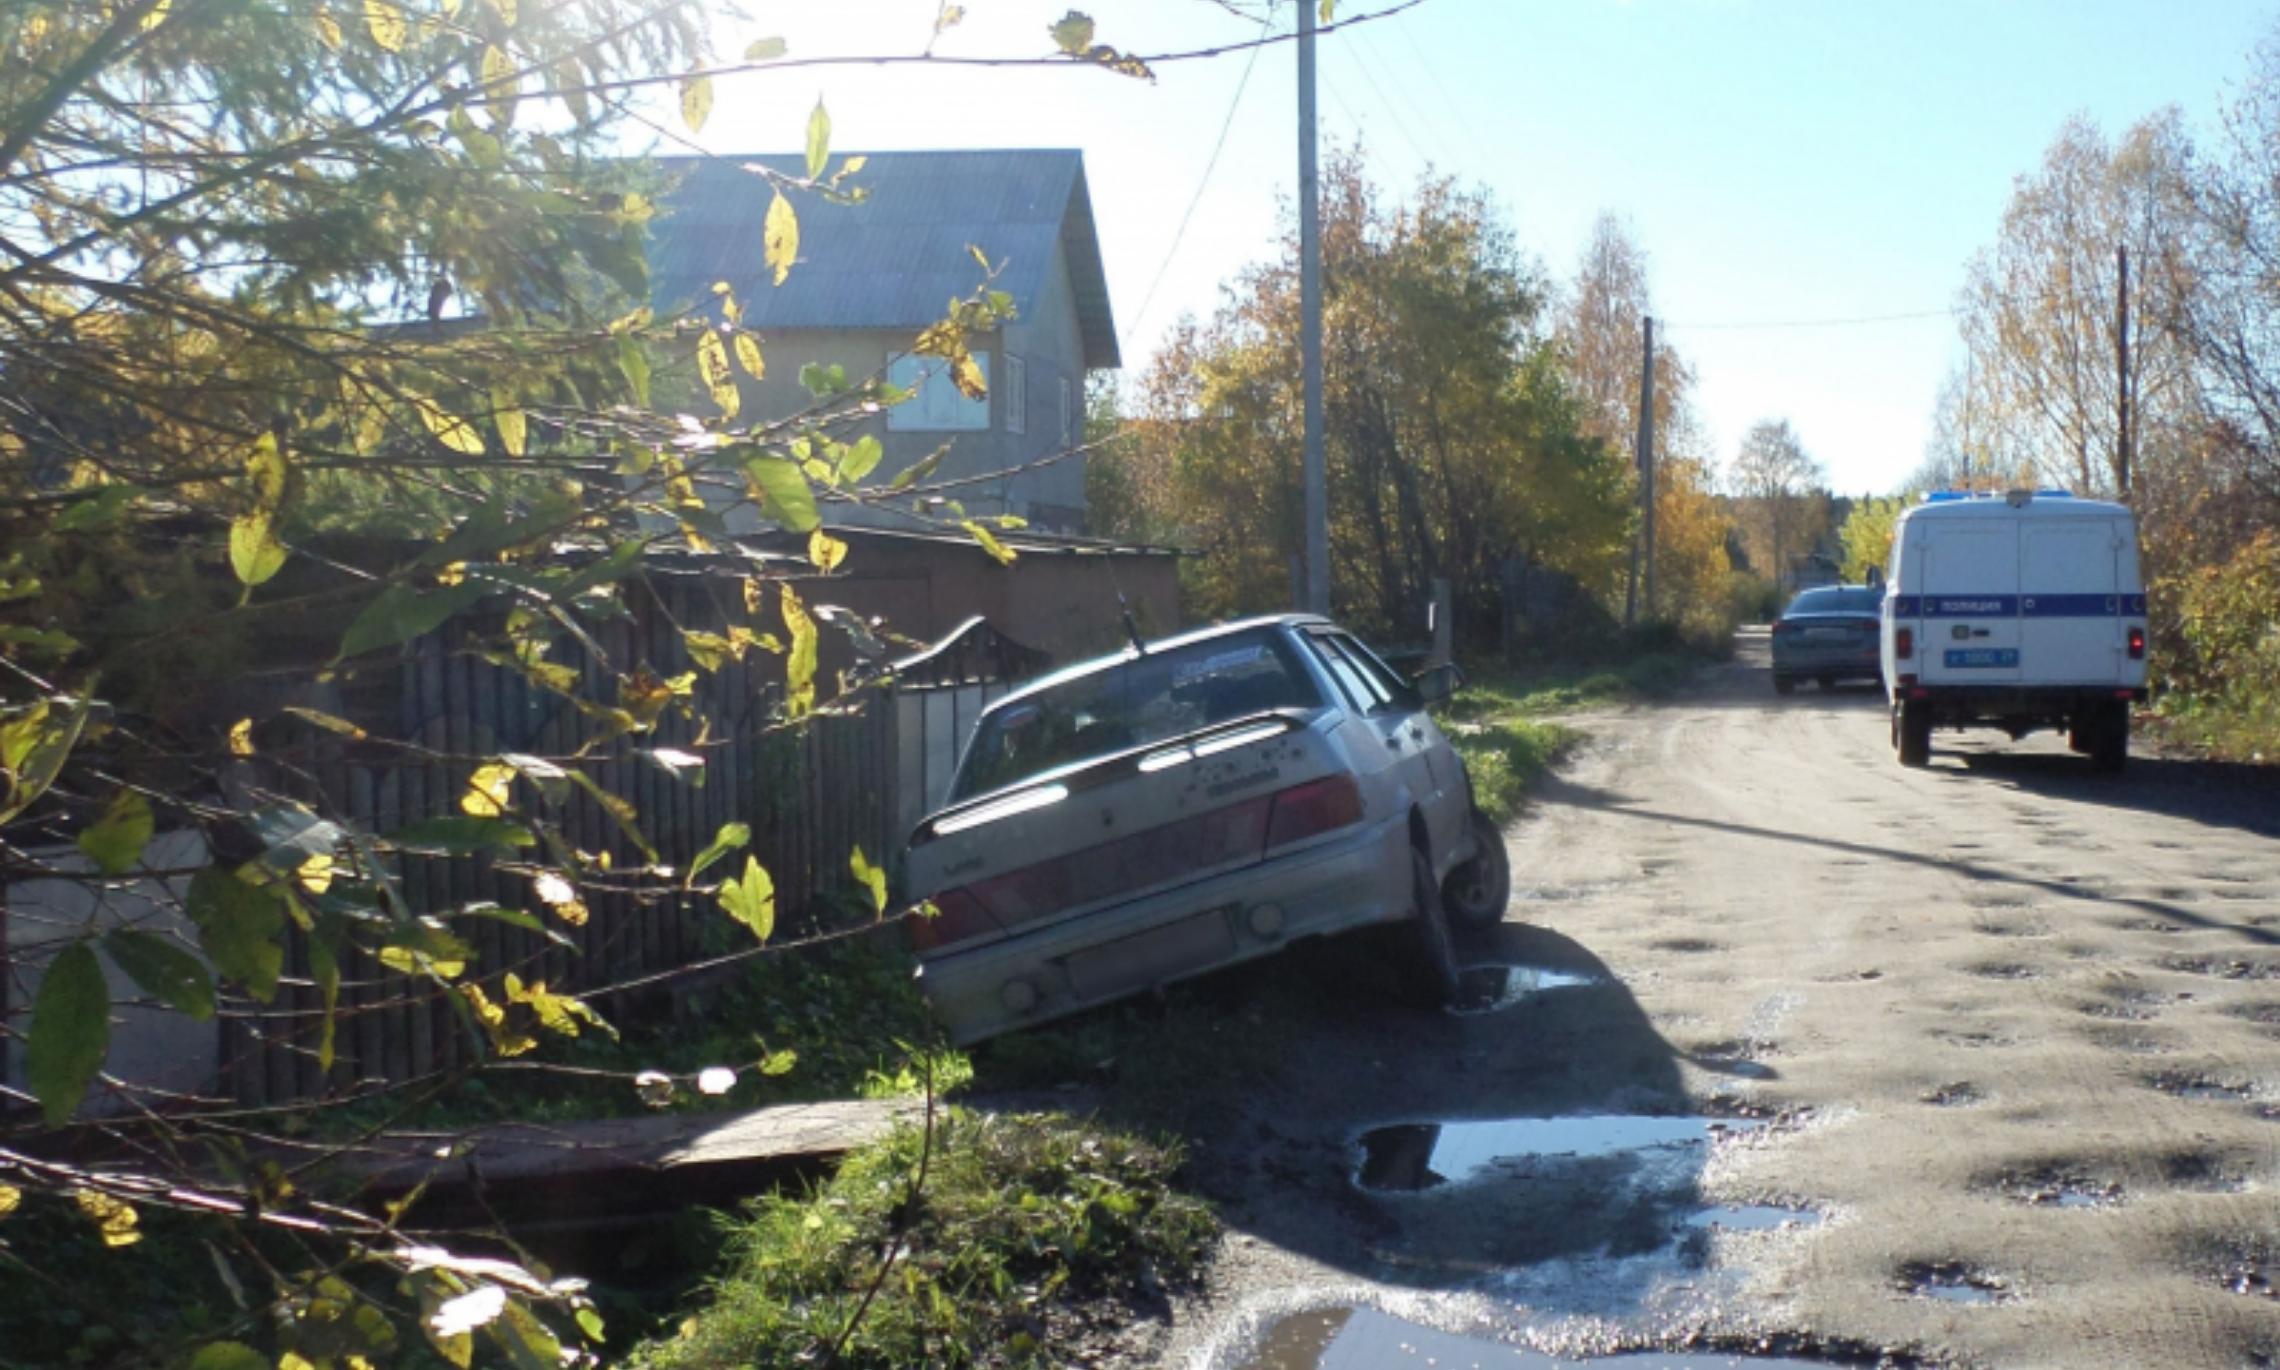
column 1028, row 1225
column 2242, row 725
column 1505, row 757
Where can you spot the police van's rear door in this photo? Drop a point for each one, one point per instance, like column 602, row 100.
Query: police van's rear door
column 1970, row 602
column 2071, row 603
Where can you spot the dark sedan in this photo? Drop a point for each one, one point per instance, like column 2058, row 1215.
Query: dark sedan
column 1828, row 635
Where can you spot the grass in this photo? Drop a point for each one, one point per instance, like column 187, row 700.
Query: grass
column 1502, row 724
column 2241, row 726
column 1028, row 1228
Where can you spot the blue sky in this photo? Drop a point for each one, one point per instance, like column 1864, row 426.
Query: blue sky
column 1780, row 160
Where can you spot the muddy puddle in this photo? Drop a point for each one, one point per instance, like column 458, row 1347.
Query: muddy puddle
column 1420, row 1156
column 1754, row 1218
column 1490, row 988
column 1353, row 1338
column 1953, row 1282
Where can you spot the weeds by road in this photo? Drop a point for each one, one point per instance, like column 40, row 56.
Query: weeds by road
column 1032, row 1231
column 1501, row 723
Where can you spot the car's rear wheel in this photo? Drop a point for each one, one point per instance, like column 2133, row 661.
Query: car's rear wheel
column 1915, row 734
column 1476, row 893
column 1783, row 684
column 1432, row 951
column 1826, row 682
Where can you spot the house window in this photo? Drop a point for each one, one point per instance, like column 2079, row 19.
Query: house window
column 1016, row 394
column 936, row 405
column 1068, row 434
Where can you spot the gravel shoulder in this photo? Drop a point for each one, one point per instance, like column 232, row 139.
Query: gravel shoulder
column 1999, row 1037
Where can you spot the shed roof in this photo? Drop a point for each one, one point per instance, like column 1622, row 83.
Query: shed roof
column 898, row 258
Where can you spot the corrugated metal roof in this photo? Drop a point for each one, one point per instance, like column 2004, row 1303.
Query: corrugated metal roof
column 897, row 259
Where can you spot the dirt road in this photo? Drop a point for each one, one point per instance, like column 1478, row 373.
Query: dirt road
column 1977, row 1064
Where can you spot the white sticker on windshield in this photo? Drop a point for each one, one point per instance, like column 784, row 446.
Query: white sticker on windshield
column 1217, row 663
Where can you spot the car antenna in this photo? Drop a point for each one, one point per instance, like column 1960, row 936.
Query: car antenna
column 1124, row 610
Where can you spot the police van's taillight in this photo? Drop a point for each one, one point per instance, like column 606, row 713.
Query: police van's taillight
column 2137, row 644
column 1904, row 642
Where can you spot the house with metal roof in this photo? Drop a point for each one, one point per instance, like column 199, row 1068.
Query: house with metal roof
column 871, row 275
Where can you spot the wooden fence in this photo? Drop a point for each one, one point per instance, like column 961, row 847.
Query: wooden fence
column 810, row 795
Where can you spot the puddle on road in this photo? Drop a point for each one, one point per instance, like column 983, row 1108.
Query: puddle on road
column 2058, row 1185
column 1561, row 894
column 1366, row 1339
column 1755, row 1218
column 2185, row 1085
column 1952, row 1282
column 1417, row 1156
column 1486, row 989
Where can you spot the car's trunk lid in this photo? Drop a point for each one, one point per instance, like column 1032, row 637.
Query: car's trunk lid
column 1120, row 827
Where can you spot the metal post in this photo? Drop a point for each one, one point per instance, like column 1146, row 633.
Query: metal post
column 1310, row 325
column 1647, row 456
column 1443, row 616
column 2122, row 377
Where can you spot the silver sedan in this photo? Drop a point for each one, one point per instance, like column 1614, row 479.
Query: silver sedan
column 1156, row 814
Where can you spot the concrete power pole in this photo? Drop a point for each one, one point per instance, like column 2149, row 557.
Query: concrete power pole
column 1647, row 455
column 2122, row 377
column 1310, row 325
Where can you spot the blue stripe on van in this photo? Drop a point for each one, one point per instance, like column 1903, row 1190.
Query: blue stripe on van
column 2018, row 606
column 2083, row 606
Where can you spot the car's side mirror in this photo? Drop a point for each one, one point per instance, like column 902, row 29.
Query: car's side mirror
column 1438, row 684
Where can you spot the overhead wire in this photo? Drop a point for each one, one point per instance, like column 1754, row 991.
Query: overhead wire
column 1400, row 125
column 1736, row 325
column 1368, row 56
column 1202, row 183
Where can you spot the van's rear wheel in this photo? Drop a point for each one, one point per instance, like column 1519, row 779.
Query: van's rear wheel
column 2109, row 737
column 1476, row 893
column 1432, row 951
column 1915, row 733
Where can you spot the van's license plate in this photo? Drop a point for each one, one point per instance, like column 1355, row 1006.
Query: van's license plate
column 1982, row 658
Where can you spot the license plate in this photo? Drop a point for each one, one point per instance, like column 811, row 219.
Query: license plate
column 1828, row 635
column 1982, row 658
column 1154, row 956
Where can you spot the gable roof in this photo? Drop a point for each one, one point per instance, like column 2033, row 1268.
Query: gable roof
column 895, row 260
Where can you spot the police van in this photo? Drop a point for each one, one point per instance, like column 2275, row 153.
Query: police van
column 2017, row 612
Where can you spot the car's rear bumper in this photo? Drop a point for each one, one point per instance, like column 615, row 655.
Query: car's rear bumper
column 1360, row 878
column 1839, row 661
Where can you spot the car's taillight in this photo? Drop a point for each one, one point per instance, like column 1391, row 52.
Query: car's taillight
column 958, row 917
column 2137, row 644
column 1319, row 806
column 1904, row 642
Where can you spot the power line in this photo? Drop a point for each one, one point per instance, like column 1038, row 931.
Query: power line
column 1433, row 79
column 1226, row 126
column 1361, row 64
column 1739, row 324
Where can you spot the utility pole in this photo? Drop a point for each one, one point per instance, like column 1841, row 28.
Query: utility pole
column 1647, row 454
column 2122, row 376
column 1310, row 325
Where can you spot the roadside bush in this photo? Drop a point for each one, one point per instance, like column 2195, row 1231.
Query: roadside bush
column 2221, row 668
column 1023, row 1221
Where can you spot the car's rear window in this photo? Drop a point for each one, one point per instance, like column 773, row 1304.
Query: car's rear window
column 1837, row 602
column 1156, row 697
